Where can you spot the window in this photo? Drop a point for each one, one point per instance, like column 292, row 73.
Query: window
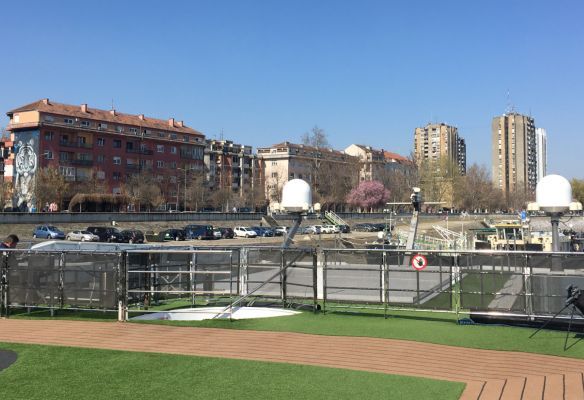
column 117, row 160
column 117, row 190
column 129, row 146
column 100, row 142
column 68, row 121
column 85, row 124
column 161, row 134
column 117, row 176
column 100, row 158
column 101, row 126
column 100, row 175
column 146, row 132
column 133, row 130
column 159, row 148
column 160, row 164
column 49, row 118
column 173, row 136
column 67, row 172
column 117, row 144
column 173, row 149
column 48, row 155
column 119, row 129
column 173, row 165
column 49, row 135
column 274, row 162
column 185, row 138
column 173, row 179
column 64, row 156
column 274, row 174
column 81, row 140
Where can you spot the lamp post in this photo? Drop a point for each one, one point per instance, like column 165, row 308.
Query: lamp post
column 185, row 170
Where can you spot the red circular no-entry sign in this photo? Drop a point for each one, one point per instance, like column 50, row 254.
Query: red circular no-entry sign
column 419, row 262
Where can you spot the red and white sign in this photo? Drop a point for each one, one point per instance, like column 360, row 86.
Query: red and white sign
column 419, row 262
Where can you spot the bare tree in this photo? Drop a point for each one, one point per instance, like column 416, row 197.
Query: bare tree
column 197, row 190
column 144, row 191
column 475, row 190
column 51, row 186
column 578, row 189
column 317, row 137
column 6, row 190
column 336, row 180
column 438, row 180
column 92, row 184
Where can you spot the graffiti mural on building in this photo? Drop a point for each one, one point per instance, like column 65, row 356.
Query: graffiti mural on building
column 25, row 166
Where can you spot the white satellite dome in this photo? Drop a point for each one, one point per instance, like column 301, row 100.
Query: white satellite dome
column 553, row 193
column 296, row 196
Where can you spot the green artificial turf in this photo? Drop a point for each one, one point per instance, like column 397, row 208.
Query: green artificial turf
column 428, row 327
column 48, row 372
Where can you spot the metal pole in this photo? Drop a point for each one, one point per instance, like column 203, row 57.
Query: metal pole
column 185, row 192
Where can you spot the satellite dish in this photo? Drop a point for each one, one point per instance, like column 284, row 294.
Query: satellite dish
column 296, row 196
column 553, row 194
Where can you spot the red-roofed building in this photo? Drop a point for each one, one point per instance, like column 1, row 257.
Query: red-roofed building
column 285, row 161
column 111, row 146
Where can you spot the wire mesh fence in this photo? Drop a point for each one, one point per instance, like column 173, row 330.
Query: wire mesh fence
column 528, row 284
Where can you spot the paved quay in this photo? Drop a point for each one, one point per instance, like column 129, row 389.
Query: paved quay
column 488, row 374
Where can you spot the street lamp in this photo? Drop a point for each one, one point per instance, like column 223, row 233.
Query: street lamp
column 185, row 170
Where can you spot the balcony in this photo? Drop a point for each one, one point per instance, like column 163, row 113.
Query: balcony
column 146, row 152
column 81, row 162
column 76, row 145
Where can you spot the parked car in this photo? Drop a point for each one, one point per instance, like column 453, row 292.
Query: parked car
column 263, row 231
column 48, row 232
column 173, row 234
column 345, row 228
column 226, row 233
column 313, row 229
column 106, row 233
column 364, row 228
column 199, row 232
column 133, row 236
column 82, row 236
column 330, row 229
column 243, row 231
column 217, row 234
column 280, row 230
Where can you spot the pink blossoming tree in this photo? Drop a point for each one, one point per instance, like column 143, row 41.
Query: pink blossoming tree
column 368, row 195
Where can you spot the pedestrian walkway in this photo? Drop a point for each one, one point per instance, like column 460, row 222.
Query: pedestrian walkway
column 488, row 374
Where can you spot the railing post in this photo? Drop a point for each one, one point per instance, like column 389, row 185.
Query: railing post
column 61, row 283
column 527, row 287
column 455, row 284
column 122, row 286
column 4, row 285
column 324, row 254
column 243, row 261
column 283, row 276
column 192, row 275
column 315, row 279
column 384, row 284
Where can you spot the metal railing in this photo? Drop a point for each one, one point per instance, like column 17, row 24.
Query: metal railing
column 523, row 284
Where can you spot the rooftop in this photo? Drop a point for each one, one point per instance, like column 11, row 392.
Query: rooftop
column 113, row 116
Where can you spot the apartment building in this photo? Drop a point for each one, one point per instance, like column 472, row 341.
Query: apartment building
column 437, row 141
column 285, row 161
column 231, row 165
column 541, row 144
column 86, row 143
column 514, row 153
column 371, row 161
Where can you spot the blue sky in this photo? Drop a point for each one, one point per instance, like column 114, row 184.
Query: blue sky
column 260, row 72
